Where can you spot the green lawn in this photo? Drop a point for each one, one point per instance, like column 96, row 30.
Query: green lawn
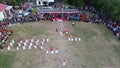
column 99, row 48
column 6, row 59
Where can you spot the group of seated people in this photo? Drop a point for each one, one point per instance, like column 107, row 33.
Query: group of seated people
column 114, row 27
column 4, row 33
column 99, row 17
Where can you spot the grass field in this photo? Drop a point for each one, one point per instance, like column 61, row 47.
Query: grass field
column 98, row 47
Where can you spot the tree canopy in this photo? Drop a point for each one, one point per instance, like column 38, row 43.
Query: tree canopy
column 77, row 3
column 14, row 2
column 109, row 7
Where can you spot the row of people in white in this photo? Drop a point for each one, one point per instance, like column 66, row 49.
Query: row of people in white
column 72, row 38
column 51, row 51
column 37, row 41
column 28, row 43
column 24, row 47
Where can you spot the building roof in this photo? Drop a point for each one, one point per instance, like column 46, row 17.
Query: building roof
column 3, row 7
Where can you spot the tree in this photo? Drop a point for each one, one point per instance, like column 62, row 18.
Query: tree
column 110, row 7
column 0, row 1
column 77, row 3
column 15, row 2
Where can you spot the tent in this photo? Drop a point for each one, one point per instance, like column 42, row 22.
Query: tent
column 1, row 16
column 9, row 7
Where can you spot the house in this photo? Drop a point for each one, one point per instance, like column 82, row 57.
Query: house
column 41, row 2
column 5, row 11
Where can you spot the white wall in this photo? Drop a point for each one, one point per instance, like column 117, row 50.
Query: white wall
column 50, row 0
column 2, row 15
column 37, row 2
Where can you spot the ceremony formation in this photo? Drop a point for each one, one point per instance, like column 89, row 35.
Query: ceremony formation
column 59, row 34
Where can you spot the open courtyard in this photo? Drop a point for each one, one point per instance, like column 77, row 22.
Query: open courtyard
column 98, row 47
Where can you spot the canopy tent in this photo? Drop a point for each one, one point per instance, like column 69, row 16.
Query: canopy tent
column 1, row 16
column 20, row 12
column 26, row 13
column 9, row 7
column 50, row 0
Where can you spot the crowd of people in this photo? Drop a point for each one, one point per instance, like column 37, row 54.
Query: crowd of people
column 99, row 17
column 4, row 33
column 94, row 17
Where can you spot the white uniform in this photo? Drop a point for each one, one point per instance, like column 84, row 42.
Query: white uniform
column 41, row 47
column 47, row 51
column 13, row 41
column 31, row 44
column 72, row 39
column 76, row 39
column 23, row 47
column 35, row 46
column 42, row 43
column 47, row 39
column 79, row 39
column 17, row 48
column 25, row 44
column 8, row 47
column 56, row 50
column 43, row 40
column 21, row 41
column 52, row 51
column 36, row 42
column 19, row 44
column 61, row 33
column 32, row 40
column 11, row 44
column 64, row 62
column 26, row 41
column 69, row 39
column 29, row 47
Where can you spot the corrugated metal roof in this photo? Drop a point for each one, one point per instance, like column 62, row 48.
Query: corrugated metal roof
column 3, row 7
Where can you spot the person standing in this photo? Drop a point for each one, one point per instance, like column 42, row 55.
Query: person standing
column 73, row 24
